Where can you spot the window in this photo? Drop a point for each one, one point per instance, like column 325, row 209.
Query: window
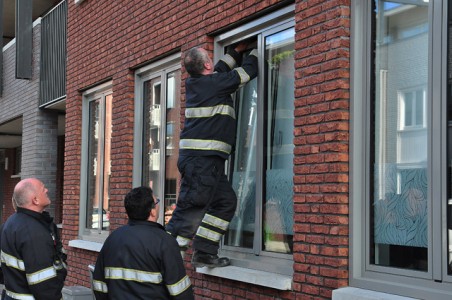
column 96, row 162
column 399, row 191
column 157, row 129
column 261, row 167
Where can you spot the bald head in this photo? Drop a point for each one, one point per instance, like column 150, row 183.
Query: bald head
column 31, row 194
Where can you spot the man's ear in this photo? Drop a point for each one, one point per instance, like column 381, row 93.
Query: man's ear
column 153, row 214
column 208, row 66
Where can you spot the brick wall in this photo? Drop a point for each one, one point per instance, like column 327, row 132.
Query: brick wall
column 322, row 142
column 107, row 42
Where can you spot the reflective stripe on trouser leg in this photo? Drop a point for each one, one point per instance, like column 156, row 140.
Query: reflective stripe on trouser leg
column 211, row 230
column 217, row 218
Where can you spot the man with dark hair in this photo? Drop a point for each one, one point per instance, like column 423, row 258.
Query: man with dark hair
column 207, row 201
column 140, row 260
column 32, row 255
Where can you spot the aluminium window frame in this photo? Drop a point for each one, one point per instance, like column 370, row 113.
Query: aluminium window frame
column 159, row 68
column 434, row 284
column 272, row 23
column 101, row 91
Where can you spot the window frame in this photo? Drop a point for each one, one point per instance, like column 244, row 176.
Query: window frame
column 263, row 27
column 435, row 283
column 94, row 235
column 160, row 68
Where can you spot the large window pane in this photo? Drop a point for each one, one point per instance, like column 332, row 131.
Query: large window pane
column 278, row 206
column 172, row 175
column 265, row 224
column 399, row 211
column 152, row 127
column 242, row 227
column 99, row 161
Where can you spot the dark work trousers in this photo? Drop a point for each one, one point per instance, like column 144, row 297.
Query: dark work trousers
column 206, row 203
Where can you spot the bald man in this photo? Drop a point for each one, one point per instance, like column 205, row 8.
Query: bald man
column 33, row 262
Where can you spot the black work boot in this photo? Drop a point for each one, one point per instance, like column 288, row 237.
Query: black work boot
column 202, row 259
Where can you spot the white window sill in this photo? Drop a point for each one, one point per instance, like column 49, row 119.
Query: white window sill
column 86, row 245
column 267, row 279
column 351, row 293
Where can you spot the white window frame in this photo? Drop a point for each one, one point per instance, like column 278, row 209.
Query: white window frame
column 402, row 109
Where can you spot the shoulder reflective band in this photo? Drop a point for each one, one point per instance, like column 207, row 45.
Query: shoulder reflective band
column 100, row 286
column 20, row 296
column 133, row 275
column 229, row 60
column 183, row 242
column 208, row 234
column 205, row 145
column 179, row 287
column 244, row 77
column 41, row 276
column 215, row 222
column 205, row 112
column 12, row 261
column 254, row 52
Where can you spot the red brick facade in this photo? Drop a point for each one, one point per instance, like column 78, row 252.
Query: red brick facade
column 108, row 41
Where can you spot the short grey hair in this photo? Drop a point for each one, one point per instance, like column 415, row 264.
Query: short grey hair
column 194, row 61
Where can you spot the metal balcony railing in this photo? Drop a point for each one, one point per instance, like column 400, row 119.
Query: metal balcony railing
column 53, row 55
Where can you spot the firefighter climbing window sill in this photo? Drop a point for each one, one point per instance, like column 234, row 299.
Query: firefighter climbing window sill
column 267, row 279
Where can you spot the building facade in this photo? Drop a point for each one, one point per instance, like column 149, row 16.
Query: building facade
column 32, row 126
column 341, row 165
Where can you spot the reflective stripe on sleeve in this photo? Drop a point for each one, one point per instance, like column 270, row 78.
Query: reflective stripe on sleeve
column 133, row 275
column 244, row 77
column 12, row 261
column 100, row 286
column 179, row 287
column 208, row 234
column 41, row 275
column 229, row 60
column 205, row 112
column 19, row 296
column 215, row 222
column 183, row 242
column 197, row 144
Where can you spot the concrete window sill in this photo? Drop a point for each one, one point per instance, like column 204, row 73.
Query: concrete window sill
column 267, row 279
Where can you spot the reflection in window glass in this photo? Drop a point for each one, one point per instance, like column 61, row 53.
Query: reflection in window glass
column 273, row 226
column 152, row 127
column 99, row 158
column 172, row 176
column 277, row 206
column 399, row 212
column 242, row 227
column 161, row 104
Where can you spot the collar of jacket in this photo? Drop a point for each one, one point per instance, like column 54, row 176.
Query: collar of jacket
column 133, row 222
column 44, row 216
